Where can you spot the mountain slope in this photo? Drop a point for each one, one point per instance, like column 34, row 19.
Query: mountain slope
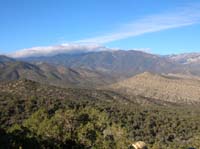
column 161, row 87
column 4, row 59
column 23, row 91
column 117, row 63
column 16, row 69
column 68, row 77
column 123, row 64
column 34, row 115
column 55, row 75
column 186, row 58
column 189, row 61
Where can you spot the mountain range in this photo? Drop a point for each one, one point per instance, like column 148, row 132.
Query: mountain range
column 11, row 69
column 171, row 78
column 116, row 63
column 123, row 64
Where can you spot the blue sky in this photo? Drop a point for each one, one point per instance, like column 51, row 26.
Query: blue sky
column 159, row 26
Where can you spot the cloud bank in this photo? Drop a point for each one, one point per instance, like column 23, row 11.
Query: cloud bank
column 184, row 16
column 57, row 49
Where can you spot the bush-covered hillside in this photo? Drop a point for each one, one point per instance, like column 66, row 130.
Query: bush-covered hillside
column 39, row 116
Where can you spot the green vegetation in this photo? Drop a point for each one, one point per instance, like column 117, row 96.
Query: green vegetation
column 39, row 116
column 83, row 128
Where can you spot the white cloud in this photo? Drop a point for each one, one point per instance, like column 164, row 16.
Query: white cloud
column 146, row 50
column 184, row 16
column 53, row 50
column 65, row 48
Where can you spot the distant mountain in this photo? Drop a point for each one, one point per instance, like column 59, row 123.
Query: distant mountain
column 186, row 58
column 190, row 63
column 73, row 77
column 11, row 69
column 92, row 69
column 161, row 87
column 4, row 59
column 119, row 63
column 122, row 64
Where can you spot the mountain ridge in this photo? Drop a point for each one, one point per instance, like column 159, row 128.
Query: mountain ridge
column 11, row 69
column 117, row 63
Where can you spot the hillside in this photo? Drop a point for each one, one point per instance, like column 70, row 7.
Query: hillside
column 11, row 69
column 24, row 91
column 119, row 63
column 161, row 87
column 33, row 115
column 16, row 69
column 74, row 77
column 4, row 59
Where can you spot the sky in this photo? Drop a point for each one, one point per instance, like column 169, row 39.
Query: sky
column 156, row 26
